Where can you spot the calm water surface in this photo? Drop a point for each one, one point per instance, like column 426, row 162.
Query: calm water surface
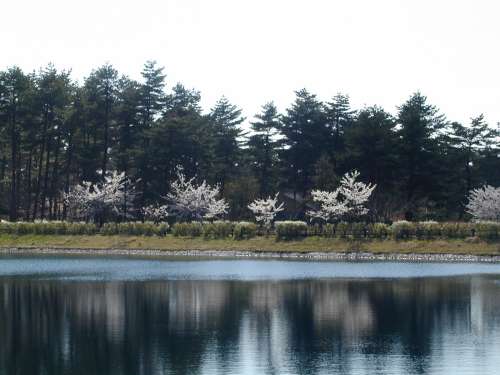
column 96, row 316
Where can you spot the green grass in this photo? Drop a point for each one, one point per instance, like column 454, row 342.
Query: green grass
column 170, row 242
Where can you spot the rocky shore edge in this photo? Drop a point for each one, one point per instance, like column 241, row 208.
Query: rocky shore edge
column 262, row 254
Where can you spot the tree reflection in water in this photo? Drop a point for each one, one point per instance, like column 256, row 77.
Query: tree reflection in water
column 300, row 326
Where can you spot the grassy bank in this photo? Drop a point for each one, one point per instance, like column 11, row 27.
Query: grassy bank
column 169, row 242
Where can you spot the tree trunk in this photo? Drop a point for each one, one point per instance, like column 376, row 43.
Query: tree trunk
column 28, row 185
column 55, row 174
column 40, row 164
column 67, row 172
column 45, row 182
column 13, row 176
column 106, row 137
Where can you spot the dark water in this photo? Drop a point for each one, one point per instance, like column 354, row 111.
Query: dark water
column 126, row 316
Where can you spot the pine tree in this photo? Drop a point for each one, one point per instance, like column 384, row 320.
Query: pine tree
column 225, row 119
column 152, row 101
column 106, row 79
column 263, row 148
column 14, row 91
column 371, row 146
column 53, row 88
column 151, row 105
column 420, row 137
column 339, row 117
column 305, row 140
column 470, row 140
column 180, row 137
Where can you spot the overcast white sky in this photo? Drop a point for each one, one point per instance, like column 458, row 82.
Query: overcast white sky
column 253, row 51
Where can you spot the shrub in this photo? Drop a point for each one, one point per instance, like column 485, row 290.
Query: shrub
column 80, row 228
column 109, row 229
column 314, row 230
column 60, row 227
column 130, row 229
column 218, row 229
column 402, row 230
column 328, row 230
column 4, row 227
column 287, row 230
column 149, row 228
column 487, row 230
column 427, row 229
column 378, row 230
column 22, row 228
column 162, row 229
column 146, row 228
column 244, row 230
column 358, row 230
column 456, row 230
column 138, row 228
column 342, row 229
column 193, row 229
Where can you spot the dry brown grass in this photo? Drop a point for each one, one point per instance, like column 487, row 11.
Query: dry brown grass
column 255, row 244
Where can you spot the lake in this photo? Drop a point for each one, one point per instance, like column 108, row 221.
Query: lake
column 118, row 315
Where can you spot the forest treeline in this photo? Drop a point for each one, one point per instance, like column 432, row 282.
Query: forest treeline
column 56, row 132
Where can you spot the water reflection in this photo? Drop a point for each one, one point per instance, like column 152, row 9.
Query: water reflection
column 419, row 326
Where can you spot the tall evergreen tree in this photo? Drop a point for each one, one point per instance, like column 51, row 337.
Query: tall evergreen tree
column 128, row 126
column 339, row 116
column 14, row 91
column 263, row 148
column 420, row 136
column 305, row 139
column 178, row 138
column 53, row 96
column 470, row 140
column 152, row 101
column 106, row 81
column 225, row 119
column 371, row 147
column 151, row 105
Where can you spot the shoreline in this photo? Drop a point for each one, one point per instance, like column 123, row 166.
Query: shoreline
column 362, row 256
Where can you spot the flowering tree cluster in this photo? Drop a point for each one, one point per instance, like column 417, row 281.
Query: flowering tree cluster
column 95, row 202
column 265, row 210
column 484, row 203
column 190, row 201
column 155, row 212
column 348, row 200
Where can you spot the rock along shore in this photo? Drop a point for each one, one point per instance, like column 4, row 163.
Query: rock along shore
column 261, row 254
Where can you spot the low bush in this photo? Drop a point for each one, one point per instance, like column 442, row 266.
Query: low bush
column 325, row 230
column 342, row 230
column 244, row 230
column 218, row 229
column 457, row 230
column 402, row 230
column 358, row 230
column 47, row 228
column 81, row 229
column 315, row 230
column 378, row 230
column 193, row 229
column 147, row 228
column 328, row 230
column 487, row 230
column 427, row 230
column 287, row 230
column 109, row 229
